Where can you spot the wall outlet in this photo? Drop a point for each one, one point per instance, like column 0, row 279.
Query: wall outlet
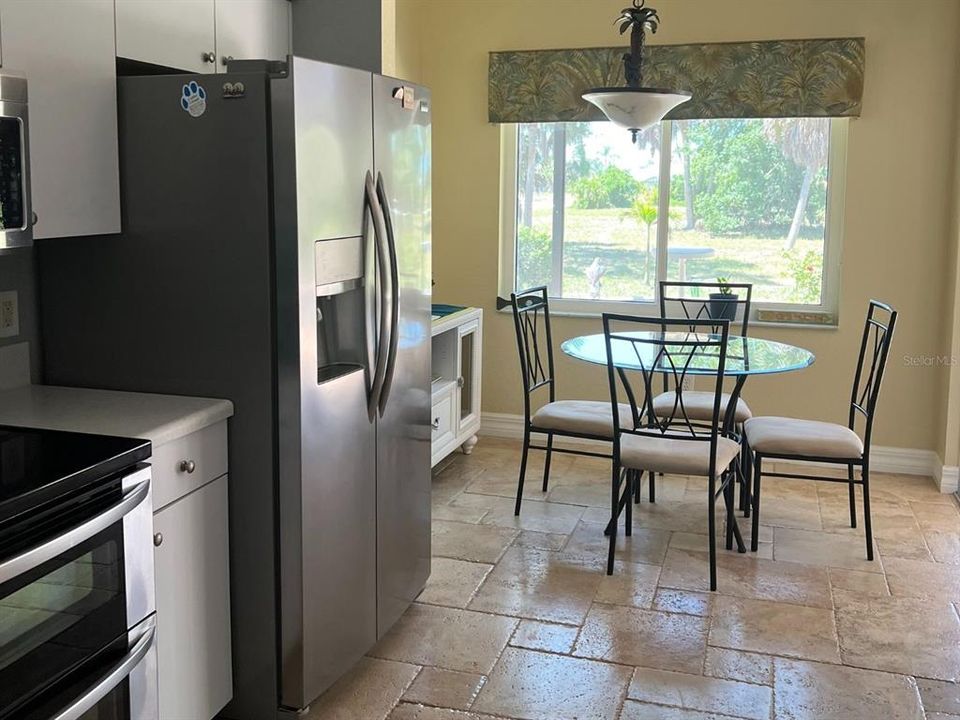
column 9, row 314
column 687, row 385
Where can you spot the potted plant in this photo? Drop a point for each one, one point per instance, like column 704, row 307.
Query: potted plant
column 723, row 304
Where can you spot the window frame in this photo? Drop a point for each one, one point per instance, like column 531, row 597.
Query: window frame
column 823, row 315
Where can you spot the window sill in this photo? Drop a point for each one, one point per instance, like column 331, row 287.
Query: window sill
column 595, row 315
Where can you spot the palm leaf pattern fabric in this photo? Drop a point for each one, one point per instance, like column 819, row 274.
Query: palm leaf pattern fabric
column 776, row 78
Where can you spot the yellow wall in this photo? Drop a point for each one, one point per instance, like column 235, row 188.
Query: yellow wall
column 897, row 242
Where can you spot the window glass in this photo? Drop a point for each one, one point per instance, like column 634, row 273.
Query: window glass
column 747, row 203
column 534, row 204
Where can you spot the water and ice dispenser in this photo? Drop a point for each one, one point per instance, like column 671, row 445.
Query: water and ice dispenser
column 342, row 300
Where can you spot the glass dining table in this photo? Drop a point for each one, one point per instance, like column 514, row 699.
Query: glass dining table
column 745, row 356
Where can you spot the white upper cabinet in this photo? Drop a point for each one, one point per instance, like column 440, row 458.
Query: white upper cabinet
column 252, row 30
column 66, row 50
column 199, row 35
column 174, row 33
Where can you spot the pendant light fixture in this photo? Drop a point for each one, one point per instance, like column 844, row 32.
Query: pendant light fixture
column 635, row 107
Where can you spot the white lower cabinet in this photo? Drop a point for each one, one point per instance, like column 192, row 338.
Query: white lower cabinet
column 193, row 604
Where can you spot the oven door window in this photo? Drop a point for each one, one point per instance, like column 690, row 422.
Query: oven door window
column 60, row 617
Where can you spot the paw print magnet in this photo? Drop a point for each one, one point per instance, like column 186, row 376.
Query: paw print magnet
column 194, row 99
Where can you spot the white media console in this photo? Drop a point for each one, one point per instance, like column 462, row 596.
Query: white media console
column 456, row 365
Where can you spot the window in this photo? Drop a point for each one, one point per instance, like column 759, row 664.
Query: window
column 750, row 200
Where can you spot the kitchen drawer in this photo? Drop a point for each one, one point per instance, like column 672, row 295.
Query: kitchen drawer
column 207, row 451
column 441, row 417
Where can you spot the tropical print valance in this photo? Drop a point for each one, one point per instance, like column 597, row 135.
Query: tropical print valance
column 778, row 78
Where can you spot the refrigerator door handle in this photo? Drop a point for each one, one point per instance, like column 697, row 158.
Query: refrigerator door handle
column 382, row 252
column 394, row 294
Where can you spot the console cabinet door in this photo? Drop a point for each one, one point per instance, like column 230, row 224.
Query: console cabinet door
column 252, row 30
column 193, row 604
column 67, row 52
column 174, row 34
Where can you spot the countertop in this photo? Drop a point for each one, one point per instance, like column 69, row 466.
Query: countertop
column 158, row 418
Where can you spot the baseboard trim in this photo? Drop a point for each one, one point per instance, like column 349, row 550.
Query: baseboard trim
column 904, row 461
column 948, row 478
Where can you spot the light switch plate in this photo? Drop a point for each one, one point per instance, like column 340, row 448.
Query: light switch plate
column 9, row 314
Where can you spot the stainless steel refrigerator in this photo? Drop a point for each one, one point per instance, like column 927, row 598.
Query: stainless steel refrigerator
column 276, row 252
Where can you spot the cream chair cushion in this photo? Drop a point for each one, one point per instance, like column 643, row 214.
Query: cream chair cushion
column 811, row 438
column 583, row 417
column 674, row 456
column 699, row 406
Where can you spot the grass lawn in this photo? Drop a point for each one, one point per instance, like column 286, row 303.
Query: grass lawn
column 620, row 245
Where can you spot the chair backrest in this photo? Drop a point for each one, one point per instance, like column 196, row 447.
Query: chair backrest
column 871, row 363
column 531, row 319
column 692, row 300
column 645, row 347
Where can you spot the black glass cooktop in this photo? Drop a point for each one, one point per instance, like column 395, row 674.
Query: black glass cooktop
column 37, row 466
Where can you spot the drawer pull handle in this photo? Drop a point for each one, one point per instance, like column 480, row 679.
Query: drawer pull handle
column 187, row 466
column 436, row 423
column 158, row 539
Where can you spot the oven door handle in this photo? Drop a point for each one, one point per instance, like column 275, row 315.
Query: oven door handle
column 113, row 677
column 39, row 554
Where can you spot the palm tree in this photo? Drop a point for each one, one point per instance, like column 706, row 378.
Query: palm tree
column 650, row 140
column 644, row 213
column 804, row 141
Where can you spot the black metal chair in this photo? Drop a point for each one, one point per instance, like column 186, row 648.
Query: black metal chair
column 779, row 438
column 675, row 303
column 586, row 419
column 674, row 443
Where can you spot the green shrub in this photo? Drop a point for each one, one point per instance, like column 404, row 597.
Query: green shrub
column 806, row 269
column 612, row 187
column 533, row 256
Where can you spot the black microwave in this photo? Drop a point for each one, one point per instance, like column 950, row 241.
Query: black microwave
column 16, row 213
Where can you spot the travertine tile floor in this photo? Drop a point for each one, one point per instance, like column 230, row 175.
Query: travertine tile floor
column 520, row 621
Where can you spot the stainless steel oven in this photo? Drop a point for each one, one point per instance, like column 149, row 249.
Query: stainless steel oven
column 77, row 610
column 16, row 212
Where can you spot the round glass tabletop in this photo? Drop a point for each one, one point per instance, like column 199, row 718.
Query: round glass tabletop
column 745, row 355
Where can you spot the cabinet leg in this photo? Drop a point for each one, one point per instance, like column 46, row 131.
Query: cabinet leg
column 469, row 444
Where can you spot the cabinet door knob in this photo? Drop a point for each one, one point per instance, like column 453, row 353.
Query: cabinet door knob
column 34, row 218
column 187, row 466
column 460, row 382
column 158, row 539
column 436, row 423
column 226, row 60
column 209, row 57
